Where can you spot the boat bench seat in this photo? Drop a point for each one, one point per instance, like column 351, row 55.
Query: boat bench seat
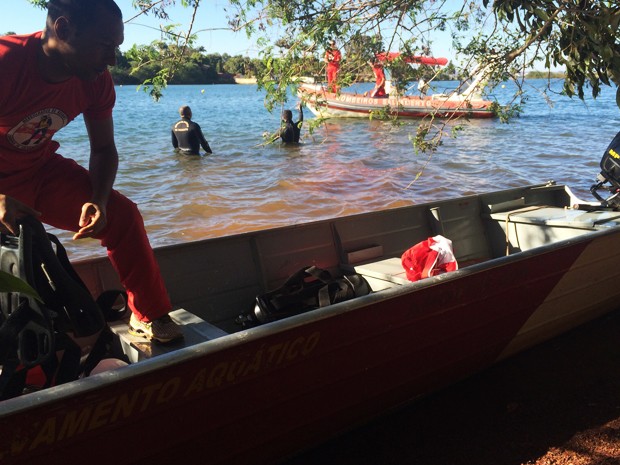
column 388, row 273
column 195, row 330
column 560, row 217
column 381, row 274
column 528, row 227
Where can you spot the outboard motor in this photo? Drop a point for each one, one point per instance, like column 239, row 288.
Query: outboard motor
column 610, row 174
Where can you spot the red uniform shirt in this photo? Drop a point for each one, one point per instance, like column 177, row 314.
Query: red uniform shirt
column 33, row 110
column 379, row 81
column 333, row 57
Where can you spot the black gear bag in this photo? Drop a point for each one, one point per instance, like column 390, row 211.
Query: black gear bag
column 307, row 289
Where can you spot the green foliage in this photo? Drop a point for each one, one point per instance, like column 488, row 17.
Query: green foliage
column 238, row 65
column 386, row 113
column 142, row 65
column 10, row 283
column 578, row 35
column 506, row 113
column 39, row 3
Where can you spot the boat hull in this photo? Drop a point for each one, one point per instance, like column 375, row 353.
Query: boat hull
column 259, row 395
column 346, row 105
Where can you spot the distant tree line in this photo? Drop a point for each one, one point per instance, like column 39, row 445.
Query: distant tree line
column 199, row 67
column 142, row 62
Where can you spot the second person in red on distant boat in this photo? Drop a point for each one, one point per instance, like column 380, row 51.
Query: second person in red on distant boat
column 379, row 89
column 332, row 58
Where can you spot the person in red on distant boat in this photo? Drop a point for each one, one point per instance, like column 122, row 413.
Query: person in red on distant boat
column 379, row 89
column 48, row 79
column 332, row 58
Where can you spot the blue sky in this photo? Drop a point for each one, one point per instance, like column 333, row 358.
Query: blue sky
column 22, row 18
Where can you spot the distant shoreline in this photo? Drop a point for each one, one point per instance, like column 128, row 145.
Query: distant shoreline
column 240, row 80
column 252, row 80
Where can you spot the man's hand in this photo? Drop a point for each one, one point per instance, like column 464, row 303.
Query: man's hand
column 10, row 211
column 92, row 220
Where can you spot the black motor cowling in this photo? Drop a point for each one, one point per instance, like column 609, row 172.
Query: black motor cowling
column 609, row 177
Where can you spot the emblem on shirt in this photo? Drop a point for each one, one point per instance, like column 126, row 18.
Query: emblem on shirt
column 181, row 126
column 37, row 129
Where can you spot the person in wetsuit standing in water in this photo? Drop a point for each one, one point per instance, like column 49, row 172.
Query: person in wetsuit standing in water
column 187, row 135
column 290, row 131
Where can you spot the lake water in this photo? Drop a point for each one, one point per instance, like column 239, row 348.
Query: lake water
column 344, row 167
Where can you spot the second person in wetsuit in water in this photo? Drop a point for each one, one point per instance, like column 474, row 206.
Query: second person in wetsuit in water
column 290, row 132
column 187, row 135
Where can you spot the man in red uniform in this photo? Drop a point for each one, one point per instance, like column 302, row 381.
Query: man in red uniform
column 332, row 58
column 379, row 89
column 53, row 76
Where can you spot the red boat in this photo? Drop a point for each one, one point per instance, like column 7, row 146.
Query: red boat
column 530, row 262
column 466, row 103
column 326, row 104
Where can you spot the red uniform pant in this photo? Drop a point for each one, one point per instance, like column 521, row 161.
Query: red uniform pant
column 332, row 73
column 58, row 189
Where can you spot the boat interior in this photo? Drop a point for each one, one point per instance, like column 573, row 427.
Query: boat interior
column 211, row 282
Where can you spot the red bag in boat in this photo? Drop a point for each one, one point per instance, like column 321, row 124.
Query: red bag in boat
column 429, row 258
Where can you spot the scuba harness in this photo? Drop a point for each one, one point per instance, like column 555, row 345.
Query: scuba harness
column 42, row 333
